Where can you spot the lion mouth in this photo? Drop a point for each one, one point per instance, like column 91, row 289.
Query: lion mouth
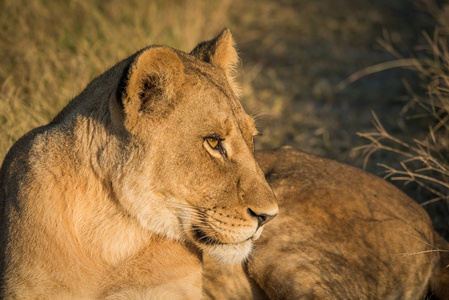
column 223, row 252
column 201, row 237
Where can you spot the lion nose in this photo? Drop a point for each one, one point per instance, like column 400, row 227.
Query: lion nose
column 262, row 219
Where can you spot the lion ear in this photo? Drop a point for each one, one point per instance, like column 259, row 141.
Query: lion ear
column 150, row 84
column 220, row 52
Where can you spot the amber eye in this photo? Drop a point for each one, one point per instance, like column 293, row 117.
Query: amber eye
column 213, row 142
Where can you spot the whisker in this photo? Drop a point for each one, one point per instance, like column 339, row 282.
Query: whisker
column 435, row 248
column 422, row 252
column 195, row 211
column 259, row 114
column 211, row 224
column 419, row 239
column 191, row 206
column 160, row 207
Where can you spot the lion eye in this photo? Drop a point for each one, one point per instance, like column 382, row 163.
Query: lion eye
column 213, row 142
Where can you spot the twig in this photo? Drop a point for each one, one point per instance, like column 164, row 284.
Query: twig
column 392, row 64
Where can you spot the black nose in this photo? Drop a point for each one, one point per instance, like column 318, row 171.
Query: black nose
column 262, row 219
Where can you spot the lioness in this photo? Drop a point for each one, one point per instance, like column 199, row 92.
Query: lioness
column 119, row 196
column 341, row 233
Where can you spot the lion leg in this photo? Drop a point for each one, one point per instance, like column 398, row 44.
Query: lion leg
column 228, row 282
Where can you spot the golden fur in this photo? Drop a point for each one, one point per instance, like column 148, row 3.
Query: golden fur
column 341, row 233
column 119, row 196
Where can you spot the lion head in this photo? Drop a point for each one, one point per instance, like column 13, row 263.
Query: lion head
column 188, row 170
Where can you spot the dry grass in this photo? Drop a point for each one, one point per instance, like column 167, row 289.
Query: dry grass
column 52, row 49
column 422, row 161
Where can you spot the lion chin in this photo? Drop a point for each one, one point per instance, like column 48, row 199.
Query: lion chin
column 229, row 254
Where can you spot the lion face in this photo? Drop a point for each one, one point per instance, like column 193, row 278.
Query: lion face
column 195, row 178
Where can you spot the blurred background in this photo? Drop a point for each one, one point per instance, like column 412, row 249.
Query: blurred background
column 362, row 82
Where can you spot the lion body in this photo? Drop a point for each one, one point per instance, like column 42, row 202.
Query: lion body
column 341, row 233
